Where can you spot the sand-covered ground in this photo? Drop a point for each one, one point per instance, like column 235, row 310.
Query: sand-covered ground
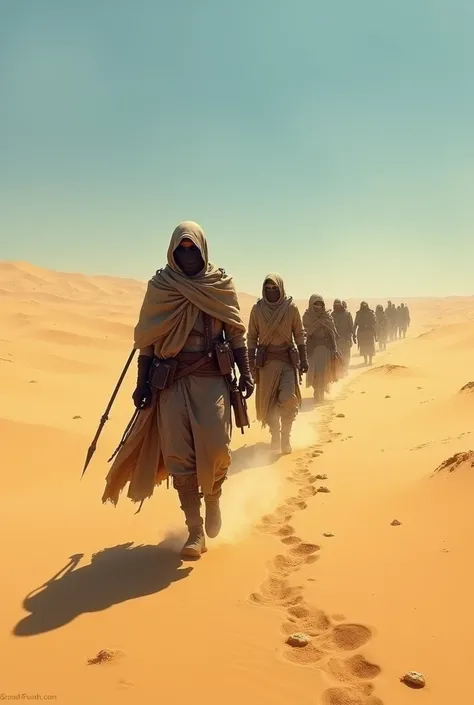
column 377, row 599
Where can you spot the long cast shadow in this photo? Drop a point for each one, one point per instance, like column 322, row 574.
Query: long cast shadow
column 255, row 456
column 114, row 575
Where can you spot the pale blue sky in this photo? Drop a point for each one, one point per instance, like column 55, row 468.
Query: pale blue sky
column 330, row 141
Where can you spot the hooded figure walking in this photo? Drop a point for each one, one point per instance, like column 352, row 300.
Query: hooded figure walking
column 323, row 355
column 381, row 327
column 275, row 328
column 404, row 320
column 183, row 429
column 365, row 332
column 344, row 327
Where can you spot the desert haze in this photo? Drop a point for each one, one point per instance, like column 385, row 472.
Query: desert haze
column 98, row 607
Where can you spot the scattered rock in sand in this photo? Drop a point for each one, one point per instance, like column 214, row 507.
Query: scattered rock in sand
column 395, row 522
column 76, row 417
column 422, row 387
column 299, row 639
column 469, row 387
column 340, row 416
column 362, row 392
column 388, row 369
column 328, row 535
column 387, row 396
column 413, row 679
column 104, row 656
column 316, row 453
column 321, row 477
column 455, row 461
column 33, row 381
column 323, row 489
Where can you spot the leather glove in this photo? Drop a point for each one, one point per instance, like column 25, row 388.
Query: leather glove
column 252, row 360
column 246, row 383
column 142, row 395
column 304, row 366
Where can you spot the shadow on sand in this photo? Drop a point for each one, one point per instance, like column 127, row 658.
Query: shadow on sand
column 255, row 456
column 359, row 366
column 114, row 575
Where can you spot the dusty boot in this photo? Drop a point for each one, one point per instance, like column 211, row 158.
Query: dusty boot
column 190, row 499
column 213, row 520
column 318, row 395
column 274, row 426
column 286, row 425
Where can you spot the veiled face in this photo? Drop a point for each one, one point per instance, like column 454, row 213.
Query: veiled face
column 271, row 291
column 188, row 257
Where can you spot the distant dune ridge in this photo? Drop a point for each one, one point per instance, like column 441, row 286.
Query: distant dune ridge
column 361, row 541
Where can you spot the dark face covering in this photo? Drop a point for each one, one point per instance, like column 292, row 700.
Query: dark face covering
column 189, row 260
column 272, row 293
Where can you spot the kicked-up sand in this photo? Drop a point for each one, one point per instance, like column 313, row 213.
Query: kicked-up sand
column 361, row 539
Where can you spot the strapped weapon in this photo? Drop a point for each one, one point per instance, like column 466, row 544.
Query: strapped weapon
column 105, row 415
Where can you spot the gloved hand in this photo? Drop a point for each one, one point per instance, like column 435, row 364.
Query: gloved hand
column 304, row 365
column 355, row 339
column 142, row 395
column 246, row 383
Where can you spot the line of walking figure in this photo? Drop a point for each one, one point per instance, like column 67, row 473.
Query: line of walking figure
column 196, row 356
column 368, row 328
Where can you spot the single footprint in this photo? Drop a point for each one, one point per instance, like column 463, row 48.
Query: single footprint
column 304, row 549
column 350, row 696
column 294, row 503
column 303, row 656
column 310, row 621
column 285, row 530
column 277, row 591
column 291, row 540
column 284, row 564
column 307, row 492
column 353, row 669
column 348, row 637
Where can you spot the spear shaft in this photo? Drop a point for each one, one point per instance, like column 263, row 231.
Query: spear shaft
column 105, row 415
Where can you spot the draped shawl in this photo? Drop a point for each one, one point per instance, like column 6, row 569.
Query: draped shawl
column 273, row 313
column 313, row 319
column 173, row 300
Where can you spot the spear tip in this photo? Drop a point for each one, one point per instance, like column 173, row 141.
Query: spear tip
column 90, row 453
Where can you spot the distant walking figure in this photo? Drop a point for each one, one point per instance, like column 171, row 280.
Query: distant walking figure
column 364, row 332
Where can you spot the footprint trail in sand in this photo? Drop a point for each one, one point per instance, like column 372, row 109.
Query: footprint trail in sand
column 330, row 642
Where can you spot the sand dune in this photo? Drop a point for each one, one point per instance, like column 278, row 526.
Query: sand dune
column 309, row 542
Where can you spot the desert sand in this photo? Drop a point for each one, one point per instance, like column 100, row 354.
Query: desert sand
column 377, row 599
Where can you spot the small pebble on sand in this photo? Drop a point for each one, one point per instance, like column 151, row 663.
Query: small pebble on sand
column 298, row 639
column 321, row 477
column 103, row 656
column 387, row 396
column 323, row 489
column 76, row 417
column 340, row 416
column 328, row 535
column 413, row 679
column 395, row 522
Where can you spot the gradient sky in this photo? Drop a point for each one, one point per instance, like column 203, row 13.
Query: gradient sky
column 330, row 141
